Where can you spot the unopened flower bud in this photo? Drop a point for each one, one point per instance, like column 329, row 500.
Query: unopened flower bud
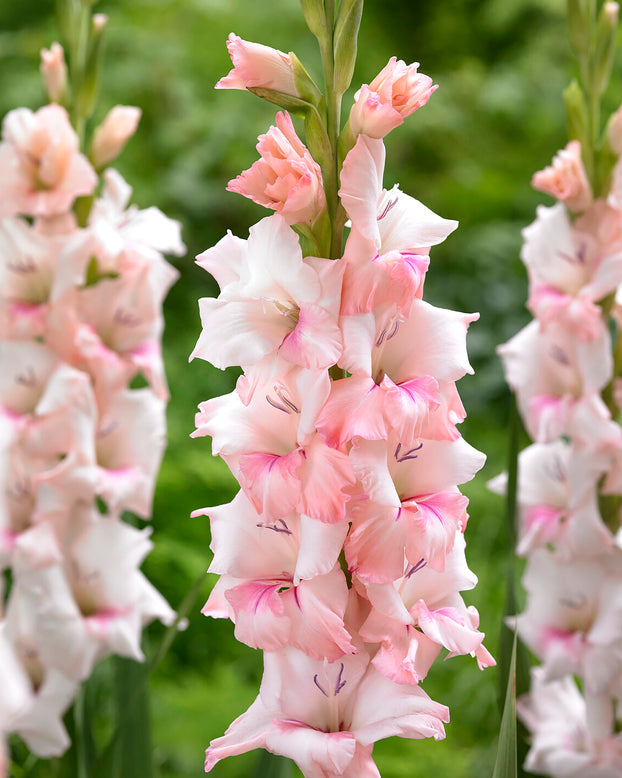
column 113, row 133
column 396, row 92
column 605, row 45
column 54, row 72
column 256, row 66
column 576, row 117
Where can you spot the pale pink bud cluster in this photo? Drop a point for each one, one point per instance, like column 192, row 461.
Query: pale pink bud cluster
column 570, row 485
column 342, row 555
column 80, row 319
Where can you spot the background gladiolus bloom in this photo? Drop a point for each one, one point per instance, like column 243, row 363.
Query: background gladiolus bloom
column 41, row 170
column 566, row 179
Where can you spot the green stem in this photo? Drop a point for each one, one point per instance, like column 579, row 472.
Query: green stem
column 78, row 52
column 333, row 121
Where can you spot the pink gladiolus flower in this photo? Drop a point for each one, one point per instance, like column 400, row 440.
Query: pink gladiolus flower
column 401, row 373
column 97, row 600
column 41, row 169
column 271, row 446
column 256, row 66
column 391, row 219
column 558, row 382
column 419, row 613
column 572, row 266
column 572, row 620
column 558, row 499
column 272, row 301
column 566, row 179
column 127, row 236
column 286, row 178
column 564, row 741
column 326, row 717
column 396, row 92
column 414, row 507
column 39, row 722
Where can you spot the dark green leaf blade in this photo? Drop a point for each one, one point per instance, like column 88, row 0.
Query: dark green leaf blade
column 506, row 762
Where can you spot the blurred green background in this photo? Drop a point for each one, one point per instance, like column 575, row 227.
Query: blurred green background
column 469, row 155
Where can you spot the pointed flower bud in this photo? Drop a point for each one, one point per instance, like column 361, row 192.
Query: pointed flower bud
column 396, row 92
column 256, row 66
column 87, row 94
column 576, row 117
column 113, row 133
column 605, row 45
column 54, row 72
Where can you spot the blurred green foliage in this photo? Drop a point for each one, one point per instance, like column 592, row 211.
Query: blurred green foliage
column 469, row 155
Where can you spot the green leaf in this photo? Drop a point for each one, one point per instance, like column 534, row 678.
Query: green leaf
column 506, row 763
column 272, row 766
column 132, row 702
column 84, row 743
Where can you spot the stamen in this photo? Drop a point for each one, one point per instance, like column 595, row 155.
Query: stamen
column 574, row 259
column 558, row 354
column 579, row 601
column 388, row 332
column 408, row 455
column 315, row 681
column 340, row 684
column 581, row 253
column 415, row 568
column 283, row 528
column 21, row 265
column 27, row 378
column 556, row 469
column 125, row 318
column 19, row 490
column 111, row 427
column 274, row 404
column 387, row 208
column 395, row 330
column 286, row 405
column 280, row 391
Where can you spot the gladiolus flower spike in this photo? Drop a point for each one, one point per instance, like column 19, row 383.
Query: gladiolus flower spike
column 342, row 555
